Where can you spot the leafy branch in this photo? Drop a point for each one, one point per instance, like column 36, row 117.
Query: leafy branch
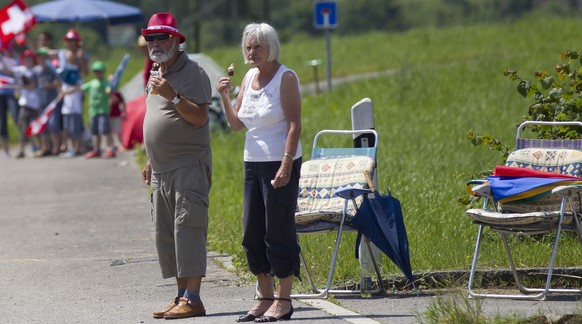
column 485, row 140
column 556, row 97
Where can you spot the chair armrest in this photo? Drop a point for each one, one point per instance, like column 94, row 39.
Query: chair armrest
column 567, row 191
column 350, row 193
column 479, row 188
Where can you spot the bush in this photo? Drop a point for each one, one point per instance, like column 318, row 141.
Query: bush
column 556, row 98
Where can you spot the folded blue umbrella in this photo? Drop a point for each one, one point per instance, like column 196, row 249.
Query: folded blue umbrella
column 507, row 189
column 380, row 219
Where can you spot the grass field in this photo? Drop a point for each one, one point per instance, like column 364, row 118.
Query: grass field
column 445, row 82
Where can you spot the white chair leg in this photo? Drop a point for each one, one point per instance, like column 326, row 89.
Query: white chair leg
column 323, row 293
column 526, row 293
column 474, row 264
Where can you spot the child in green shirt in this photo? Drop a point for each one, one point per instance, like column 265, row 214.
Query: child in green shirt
column 97, row 92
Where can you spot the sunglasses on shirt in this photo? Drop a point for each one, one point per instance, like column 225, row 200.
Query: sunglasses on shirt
column 157, row 37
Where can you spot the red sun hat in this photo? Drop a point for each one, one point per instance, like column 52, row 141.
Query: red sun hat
column 72, row 35
column 28, row 53
column 163, row 22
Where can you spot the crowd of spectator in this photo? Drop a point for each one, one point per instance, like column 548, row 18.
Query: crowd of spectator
column 47, row 92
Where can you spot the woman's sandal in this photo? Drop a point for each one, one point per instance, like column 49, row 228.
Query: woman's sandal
column 265, row 319
column 250, row 317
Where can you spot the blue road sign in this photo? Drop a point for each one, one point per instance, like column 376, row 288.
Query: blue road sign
column 325, row 15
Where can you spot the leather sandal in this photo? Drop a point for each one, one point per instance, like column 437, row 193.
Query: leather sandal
column 265, row 319
column 250, row 317
column 160, row 313
column 186, row 308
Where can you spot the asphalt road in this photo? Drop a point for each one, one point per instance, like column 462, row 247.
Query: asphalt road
column 76, row 246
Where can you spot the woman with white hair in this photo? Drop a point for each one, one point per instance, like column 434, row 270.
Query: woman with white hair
column 269, row 108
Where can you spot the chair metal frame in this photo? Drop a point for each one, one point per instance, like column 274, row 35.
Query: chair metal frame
column 567, row 194
column 350, row 195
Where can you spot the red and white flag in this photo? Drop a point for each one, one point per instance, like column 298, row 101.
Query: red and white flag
column 7, row 82
column 38, row 125
column 15, row 20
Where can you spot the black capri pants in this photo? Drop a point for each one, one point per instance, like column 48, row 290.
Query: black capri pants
column 269, row 235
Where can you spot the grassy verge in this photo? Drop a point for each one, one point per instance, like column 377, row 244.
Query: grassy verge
column 456, row 308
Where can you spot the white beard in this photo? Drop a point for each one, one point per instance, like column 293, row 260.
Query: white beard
column 158, row 55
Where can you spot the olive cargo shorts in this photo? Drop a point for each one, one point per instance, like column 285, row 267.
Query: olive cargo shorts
column 180, row 217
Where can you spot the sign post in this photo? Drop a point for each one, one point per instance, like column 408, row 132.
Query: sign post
column 326, row 19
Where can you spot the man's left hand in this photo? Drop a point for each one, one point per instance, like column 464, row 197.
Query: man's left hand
column 146, row 173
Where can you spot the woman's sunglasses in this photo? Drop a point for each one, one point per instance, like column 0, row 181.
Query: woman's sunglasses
column 157, row 37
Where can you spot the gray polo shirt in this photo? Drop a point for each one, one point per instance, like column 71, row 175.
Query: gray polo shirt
column 170, row 141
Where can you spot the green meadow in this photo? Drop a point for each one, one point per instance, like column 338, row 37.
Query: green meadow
column 441, row 83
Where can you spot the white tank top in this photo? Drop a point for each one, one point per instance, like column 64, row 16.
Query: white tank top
column 262, row 114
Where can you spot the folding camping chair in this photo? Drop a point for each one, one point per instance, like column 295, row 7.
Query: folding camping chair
column 331, row 189
column 543, row 214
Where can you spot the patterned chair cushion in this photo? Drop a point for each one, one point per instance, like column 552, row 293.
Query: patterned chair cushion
column 320, row 178
column 561, row 161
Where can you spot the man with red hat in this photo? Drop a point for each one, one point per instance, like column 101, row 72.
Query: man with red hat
column 179, row 167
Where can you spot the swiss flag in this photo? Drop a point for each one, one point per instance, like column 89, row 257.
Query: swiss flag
column 38, row 125
column 7, row 82
column 15, row 20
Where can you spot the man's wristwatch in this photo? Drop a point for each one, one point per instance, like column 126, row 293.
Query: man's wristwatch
column 176, row 99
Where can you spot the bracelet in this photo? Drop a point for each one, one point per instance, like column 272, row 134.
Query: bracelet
column 289, row 156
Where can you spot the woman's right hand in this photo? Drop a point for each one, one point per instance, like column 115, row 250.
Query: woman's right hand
column 223, row 87
column 230, row 109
